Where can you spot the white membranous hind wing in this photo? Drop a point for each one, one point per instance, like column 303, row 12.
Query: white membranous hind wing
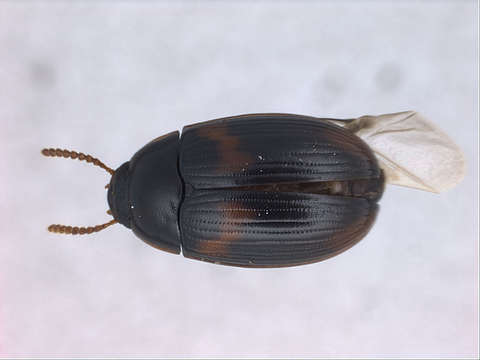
column 411, row 150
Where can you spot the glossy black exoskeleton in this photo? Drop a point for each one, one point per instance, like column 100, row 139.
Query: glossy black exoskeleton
column 260, row 190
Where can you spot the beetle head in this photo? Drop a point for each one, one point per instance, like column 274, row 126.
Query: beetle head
column 118, row 195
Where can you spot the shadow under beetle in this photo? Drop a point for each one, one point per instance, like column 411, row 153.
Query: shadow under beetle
column 258, row 190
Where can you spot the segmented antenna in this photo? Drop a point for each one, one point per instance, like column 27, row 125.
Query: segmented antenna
column 78, row 230
column 76, row 155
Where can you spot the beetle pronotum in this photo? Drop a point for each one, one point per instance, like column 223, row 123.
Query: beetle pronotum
column 270, row 190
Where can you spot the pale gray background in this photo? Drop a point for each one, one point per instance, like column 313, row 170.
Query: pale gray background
column 107, row 78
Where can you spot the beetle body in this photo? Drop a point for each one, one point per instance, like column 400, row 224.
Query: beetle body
column 261, row 190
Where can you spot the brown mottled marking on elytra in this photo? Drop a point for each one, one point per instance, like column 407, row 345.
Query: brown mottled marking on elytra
column 227, row 146
column 219, row 247
column 351, row 235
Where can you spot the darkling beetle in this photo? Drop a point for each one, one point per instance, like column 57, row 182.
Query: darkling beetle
column 259, row 190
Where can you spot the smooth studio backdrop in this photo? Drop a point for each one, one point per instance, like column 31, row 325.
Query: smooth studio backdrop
column 105, row 78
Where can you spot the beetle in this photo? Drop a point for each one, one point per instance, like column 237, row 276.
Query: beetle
column 257, row 190
column 271, row 190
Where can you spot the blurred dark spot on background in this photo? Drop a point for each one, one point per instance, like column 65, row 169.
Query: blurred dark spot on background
column 42, row 74
column 389, row 77
column 335, row 81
